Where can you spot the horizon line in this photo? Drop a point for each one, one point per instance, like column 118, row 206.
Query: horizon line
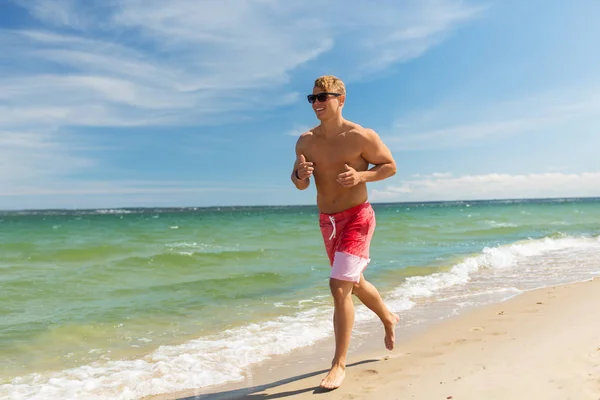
column 515, row 199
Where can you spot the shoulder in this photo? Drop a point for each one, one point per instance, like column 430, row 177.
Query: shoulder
column 305, row 137
column 361, row 133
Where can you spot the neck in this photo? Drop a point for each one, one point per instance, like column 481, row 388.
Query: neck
column 332, row 127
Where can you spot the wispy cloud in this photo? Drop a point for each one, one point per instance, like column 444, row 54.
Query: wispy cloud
column 298, row 129
column 34, row 157
column 151, row 62
column 467, row 124
column 59, row 192
column 439, row 187
column 402, row 30
column 134, row 63
column 127, row 187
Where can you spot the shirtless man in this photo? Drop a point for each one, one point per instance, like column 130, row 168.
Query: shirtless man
column 337, row 153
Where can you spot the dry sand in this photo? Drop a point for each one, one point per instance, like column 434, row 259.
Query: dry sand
column 543, row 344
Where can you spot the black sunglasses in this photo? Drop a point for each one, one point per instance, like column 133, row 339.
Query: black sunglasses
column 321, row 96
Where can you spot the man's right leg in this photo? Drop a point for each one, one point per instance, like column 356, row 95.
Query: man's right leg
column 343, row 320
column 370, row 297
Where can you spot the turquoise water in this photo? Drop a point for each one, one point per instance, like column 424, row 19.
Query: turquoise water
column 126, row 303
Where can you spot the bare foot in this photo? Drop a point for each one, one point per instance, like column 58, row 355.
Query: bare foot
column 390, row 334
column 334, row 378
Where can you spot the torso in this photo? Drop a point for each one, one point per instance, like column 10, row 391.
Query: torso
column 329, row 156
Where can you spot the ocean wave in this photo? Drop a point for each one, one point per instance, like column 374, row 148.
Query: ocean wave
column 226, row 357
column 206, row 361
column 201, row 247
column 493, row 258
column 500, row 224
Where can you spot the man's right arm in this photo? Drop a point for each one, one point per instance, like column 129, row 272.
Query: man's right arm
column 300, row 183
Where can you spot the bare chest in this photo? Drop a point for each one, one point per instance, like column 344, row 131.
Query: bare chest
column 333, row 154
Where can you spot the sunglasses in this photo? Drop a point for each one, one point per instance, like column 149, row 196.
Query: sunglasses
column 321, row 97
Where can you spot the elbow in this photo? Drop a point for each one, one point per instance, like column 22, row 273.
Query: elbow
column 300, row 185
column 392, row 168
column 304, row 185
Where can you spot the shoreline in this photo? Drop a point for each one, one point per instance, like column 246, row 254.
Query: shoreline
column 542, row 343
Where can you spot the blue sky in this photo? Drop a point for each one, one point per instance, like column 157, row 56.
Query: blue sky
column 199, row 103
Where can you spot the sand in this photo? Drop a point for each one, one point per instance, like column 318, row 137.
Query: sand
column 543, row 344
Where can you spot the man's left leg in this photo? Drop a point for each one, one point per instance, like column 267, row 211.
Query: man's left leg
column 370, row 297
column 343, row 320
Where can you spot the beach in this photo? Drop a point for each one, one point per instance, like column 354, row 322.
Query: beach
column 128, row 304
column 542, row 344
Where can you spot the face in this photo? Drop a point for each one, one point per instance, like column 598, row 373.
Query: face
column 327, row 106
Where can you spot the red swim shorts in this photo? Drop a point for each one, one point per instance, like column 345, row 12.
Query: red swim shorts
column 347, row 236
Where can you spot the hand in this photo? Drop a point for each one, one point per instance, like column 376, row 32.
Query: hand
column 349, row 178
column 305, row 168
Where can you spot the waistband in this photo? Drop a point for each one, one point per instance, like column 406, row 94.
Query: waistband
column 346, row 213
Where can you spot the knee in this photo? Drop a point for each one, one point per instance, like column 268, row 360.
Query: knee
column 340, row 289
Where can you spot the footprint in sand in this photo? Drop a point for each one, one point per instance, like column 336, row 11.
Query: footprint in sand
column 369, row 375
column 461, row 341
column 370, row 372
column 593, row 382
column 478, row 328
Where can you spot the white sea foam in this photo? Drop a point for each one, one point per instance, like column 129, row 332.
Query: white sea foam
column 524, row 257
column 112, row 211
column 496, row 224
column 195, row 247
column 225, row 357
column 202, row 362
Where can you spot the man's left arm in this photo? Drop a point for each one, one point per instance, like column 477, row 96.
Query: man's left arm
column 377, row 153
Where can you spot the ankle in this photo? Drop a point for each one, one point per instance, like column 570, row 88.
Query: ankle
column 390, row 319
column 338, row 364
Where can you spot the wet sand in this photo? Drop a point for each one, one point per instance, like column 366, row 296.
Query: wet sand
column 543, row 344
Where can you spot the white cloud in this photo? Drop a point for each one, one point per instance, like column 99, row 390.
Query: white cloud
column 297, row 130
column 56, row 12
column 193, row 59
column 72, row 193
column 466, row 124
column 138, row 63
column 402, row 33
column 440, row 187
column 34, row 157
column 124, row 188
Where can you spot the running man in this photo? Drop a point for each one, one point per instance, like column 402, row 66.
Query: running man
column 337, row 153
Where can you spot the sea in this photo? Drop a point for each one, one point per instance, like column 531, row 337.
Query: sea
column 127, row 303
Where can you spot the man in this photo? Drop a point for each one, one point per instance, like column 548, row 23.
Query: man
column 337, row 153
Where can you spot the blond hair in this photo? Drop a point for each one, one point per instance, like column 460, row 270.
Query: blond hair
column 330, row 83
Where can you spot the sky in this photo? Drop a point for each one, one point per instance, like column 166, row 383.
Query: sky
column 192, row 103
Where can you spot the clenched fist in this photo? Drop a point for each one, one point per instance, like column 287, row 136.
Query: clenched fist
column 349, row 178
column 305, row 168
